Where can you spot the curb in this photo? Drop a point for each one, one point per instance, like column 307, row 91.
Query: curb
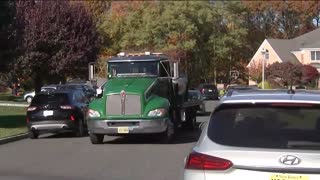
column 14, row 104
column 13, row 138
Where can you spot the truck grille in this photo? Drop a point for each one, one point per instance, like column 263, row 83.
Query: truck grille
column 130, row 105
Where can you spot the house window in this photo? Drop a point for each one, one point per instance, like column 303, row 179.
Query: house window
column 315, row 55
column 267, row 55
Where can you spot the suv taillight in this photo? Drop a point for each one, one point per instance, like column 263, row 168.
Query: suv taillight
column 202, row 91
column 200, row 161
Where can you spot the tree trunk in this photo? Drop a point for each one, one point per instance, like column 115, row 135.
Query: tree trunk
column 38, row 83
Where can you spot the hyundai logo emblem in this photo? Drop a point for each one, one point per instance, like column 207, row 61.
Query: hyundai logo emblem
column 289, row 160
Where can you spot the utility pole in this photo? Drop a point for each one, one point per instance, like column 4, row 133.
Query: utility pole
column 265, row 54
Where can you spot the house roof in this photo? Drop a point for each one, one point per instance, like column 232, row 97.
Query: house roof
column 312, row 45
column 284, row 47
column 307, row 39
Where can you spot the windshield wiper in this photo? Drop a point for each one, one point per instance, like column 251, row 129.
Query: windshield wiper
column 134, row 74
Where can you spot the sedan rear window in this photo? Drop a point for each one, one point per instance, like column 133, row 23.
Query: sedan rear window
column 43, row 99
column 283, row 126
column 209, row 86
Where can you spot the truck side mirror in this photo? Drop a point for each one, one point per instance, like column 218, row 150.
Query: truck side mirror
column 99, row 92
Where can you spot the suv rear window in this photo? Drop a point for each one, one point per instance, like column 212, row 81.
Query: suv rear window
column 43, row 99
column 283, row 126
column 208, row 86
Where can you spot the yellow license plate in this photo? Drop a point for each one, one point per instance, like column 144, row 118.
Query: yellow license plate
column 288, row 177
column 123, row 130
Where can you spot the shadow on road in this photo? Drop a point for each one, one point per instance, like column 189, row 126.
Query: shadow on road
column 59, row 135
column 204, row 114
column 182, row 136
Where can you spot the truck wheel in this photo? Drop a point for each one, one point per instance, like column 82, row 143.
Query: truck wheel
column 33, row 134
column 191, row 122
column 167, row 136
column 80, row 132
column 96, row 138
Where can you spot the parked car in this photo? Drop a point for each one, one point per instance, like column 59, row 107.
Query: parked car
column 196, row 95
column 57, row 111
column 241, row 87
column 29, row 96
column 259, row 134
column 87, row 90
column 209, row 91
column 238, row 87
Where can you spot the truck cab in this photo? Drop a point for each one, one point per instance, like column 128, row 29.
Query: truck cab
column 143, row 95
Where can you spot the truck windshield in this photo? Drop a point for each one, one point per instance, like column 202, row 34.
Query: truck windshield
column 117, row 69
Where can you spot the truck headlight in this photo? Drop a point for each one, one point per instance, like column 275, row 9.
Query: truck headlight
column 157, row 112
column 93, row 113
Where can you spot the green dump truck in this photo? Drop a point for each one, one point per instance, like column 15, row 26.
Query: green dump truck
column 144, row 94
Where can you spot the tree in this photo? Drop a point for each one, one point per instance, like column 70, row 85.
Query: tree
column 284, row 74
column 310, row 75
column 255, row 71
column 59, row 40
column 8, row 40
column 282, row 19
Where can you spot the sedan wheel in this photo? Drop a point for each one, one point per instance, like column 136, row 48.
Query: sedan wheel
column 29, row 99
column 33, row 134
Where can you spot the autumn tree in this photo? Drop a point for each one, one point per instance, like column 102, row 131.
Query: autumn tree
column 310, row 75
column 255, row 71
column 58, row 41
column 284, row 74
column 201, row 35
column 282, row 19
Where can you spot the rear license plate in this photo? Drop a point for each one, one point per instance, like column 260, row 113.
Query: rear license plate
column 210, row 90
column 47, row 113
column 288, row 177
column 123, row 130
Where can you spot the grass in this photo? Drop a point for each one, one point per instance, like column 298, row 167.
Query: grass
column 12, row 121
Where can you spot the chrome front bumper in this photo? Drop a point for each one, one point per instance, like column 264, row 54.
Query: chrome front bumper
column 114, row 127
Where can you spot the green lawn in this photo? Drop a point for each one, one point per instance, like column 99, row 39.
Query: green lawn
column 12, row 121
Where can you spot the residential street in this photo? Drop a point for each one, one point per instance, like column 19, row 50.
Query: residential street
column 63, row 157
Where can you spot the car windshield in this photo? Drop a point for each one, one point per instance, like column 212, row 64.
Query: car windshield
column 43, row 99
column 284, row 126
column 133, row 68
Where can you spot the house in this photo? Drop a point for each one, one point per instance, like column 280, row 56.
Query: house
column 304, row 49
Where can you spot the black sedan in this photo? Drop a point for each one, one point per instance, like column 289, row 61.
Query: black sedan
column 57, row 111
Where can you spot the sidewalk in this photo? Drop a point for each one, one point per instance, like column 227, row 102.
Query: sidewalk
column 12, row 103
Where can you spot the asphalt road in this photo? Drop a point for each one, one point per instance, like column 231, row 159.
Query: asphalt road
column 66, row 158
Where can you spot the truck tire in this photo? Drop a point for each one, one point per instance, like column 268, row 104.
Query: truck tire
column 96, row 138
column 80, row 132
column 191, row 120
column 167, row 136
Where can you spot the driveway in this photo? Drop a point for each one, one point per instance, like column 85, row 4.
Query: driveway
column 66, row 158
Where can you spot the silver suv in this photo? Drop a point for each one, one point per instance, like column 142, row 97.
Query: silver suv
column 260, row 135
